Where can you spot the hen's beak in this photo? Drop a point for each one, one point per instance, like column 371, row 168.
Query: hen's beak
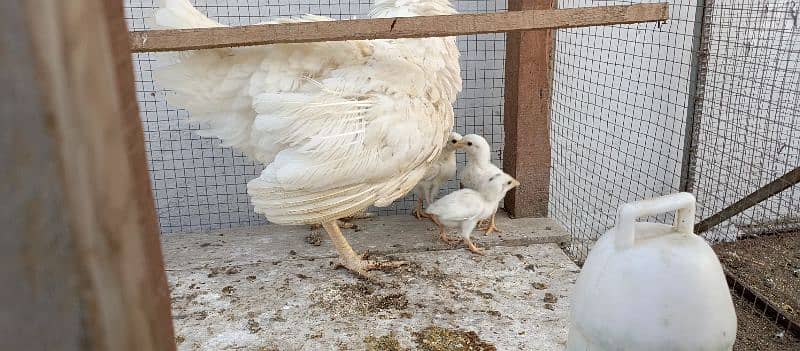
column 514, row 183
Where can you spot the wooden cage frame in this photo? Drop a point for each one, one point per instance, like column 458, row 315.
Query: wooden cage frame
column 83, row 263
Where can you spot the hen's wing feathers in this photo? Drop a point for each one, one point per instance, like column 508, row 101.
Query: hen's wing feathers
column 336, row 128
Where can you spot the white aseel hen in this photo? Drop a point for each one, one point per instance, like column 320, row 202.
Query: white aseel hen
column 442, row 169
column 340, row 126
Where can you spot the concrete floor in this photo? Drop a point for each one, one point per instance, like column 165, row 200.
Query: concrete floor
column 273, row 288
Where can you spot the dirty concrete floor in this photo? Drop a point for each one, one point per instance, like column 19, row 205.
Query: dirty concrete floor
column 272, row 288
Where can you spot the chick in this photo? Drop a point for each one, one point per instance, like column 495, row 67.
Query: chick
column 465, row 207
column 479, row 167
column 442, row 169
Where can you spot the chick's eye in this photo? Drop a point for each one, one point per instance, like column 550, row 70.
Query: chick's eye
column 453, row 141
column 469, row 143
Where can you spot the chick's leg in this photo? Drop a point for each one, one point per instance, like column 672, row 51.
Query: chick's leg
column 422, row 196
column 348, row 258
column 490, row 227
column 443, row 232
column 466, row 232
column 417, row 212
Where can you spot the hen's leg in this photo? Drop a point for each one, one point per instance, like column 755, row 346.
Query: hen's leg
column 348, row 258
column 490, row 227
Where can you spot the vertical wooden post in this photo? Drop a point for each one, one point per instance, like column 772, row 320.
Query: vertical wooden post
column 526, row 154
column 81, row 262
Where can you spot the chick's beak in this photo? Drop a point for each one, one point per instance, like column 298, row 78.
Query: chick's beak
column 460, row 144
column 514, row 183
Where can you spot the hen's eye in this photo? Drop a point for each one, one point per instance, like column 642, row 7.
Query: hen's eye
column 469, row 143
column 509, row 182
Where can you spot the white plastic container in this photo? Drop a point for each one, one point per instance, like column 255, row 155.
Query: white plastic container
column 651, row 287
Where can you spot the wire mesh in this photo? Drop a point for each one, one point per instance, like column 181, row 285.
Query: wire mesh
column 748, row 130
column 199, row 185
column 619, row 105
column 747, row 135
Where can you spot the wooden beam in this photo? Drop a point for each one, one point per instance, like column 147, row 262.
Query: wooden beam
column 389, row 28
column 82, row 267
column 526, row 120
column 784, row 182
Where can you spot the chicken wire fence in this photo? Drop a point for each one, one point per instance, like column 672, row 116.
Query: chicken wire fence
column 200, row 186
column 624, row 97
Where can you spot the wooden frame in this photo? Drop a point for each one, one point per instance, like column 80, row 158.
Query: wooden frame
column 82, row 261
column 526, row 120
column 390, row 28
column 80, row 240
column 529, row 24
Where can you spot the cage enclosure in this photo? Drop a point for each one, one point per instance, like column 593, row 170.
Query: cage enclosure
column 704, row 102
column 588, row 105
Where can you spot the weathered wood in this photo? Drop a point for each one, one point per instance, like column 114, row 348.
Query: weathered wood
column 157, row 306
column 784, row 182
column 526, row 154
column 83, row 268
column 39, row 295
column 389, row 28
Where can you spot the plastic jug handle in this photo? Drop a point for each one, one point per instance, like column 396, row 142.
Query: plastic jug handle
column 683, row 203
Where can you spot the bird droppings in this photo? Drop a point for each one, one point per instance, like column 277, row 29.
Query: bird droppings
column 315, row 238
column 253, row 326
column 549, row 307
column 550, row 298
column 179, row 339
column 539, row 286
column 333, row 310
column 359, row 298
column 531, row 268
column 228, row 290
column 436, row 338
column 387, row 342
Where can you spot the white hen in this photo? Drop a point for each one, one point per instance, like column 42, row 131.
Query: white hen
column 340, row 125
column 465, row 207
column 479, row 167
column 440, row 171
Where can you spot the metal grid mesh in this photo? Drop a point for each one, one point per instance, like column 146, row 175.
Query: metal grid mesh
column 201, row 186
column 748, row 128
column 620, row 99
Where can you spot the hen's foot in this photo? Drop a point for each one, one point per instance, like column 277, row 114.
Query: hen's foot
column 360, row 265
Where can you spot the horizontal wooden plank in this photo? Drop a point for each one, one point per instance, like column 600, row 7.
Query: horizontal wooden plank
column 391, row 28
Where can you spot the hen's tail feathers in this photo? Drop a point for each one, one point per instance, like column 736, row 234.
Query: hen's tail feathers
column 180, row 14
